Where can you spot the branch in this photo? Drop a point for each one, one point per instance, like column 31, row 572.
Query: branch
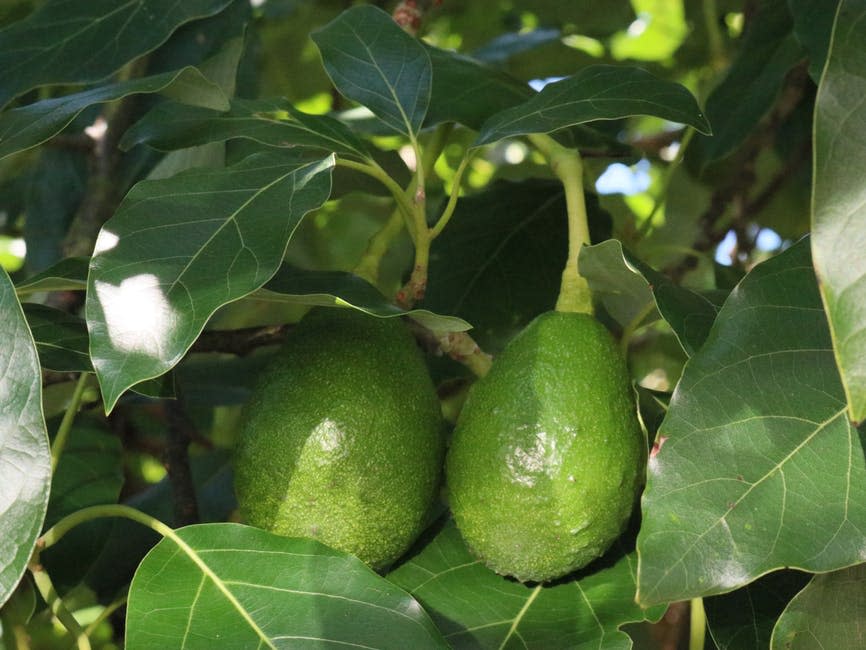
column 176, row 460
column 241, row 341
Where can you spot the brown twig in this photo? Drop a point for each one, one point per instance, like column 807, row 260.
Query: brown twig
column 241, row 341
column 177, row 466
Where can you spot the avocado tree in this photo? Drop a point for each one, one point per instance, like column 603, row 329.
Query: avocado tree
column 181, row 182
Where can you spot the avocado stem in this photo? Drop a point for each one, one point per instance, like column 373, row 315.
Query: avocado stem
column 566, row 164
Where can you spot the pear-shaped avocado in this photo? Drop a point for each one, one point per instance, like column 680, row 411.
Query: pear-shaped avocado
column 342, row 438
column 547, row 454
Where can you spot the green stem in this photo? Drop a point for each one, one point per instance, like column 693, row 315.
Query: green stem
column 445, row 217
column 46, row 588
column 375, row 171
column 698, row 625
column 109, row 609
column 574, row 293
column 633, row 325
column 68, row 418
column 714, row 35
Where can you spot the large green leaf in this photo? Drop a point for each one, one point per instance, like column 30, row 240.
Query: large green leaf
column 756, row 467
column 374, row 62
column 25, row 463
column 340, row 289
column 467, row 91
column 744, row 618
column 275, row 122
column 839, row 197
column 61, row 338
column 476, row 608
column 68, row 41
column 769, row 49
column 827, row 614
column 597, row 92
column 235, row 586
column 28, row 126
column 178, row 249
column 629, row 290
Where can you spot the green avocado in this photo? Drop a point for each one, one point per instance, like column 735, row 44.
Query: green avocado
column 342, row 438
column 547, row 454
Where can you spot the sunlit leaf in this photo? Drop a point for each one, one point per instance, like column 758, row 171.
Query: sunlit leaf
column 277, row 123
column 758, row 414
column 25, row 462
column 375, row 63
column 178, row 249
column 68, row 41
column 27, row 126
column 828, row 613
column 839, row 200
column 235, row 586
column 598, row 92
column 476, row 608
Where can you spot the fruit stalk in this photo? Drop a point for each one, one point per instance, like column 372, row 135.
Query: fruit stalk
column 574, row 292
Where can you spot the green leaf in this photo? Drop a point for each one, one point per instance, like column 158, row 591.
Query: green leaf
column 750, row 88
column 476, row 608
column 61, row 338
column 813, row 26
column 235, row 586
column 375, row 63
column 467, row 91
column 90, row 473
column 828, row 613
column 275, row 122
column 597, row 92
column 24, row 454
column 838, row 212
column 631, row 291
column 340, row 289
column 31, row 125
column 499, row 262
column 72, row 42
column 69, row 274
column 178, row 249
column 758, row 414
column 744, row 618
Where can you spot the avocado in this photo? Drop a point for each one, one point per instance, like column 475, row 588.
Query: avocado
column 547, row 454
column 342, row 438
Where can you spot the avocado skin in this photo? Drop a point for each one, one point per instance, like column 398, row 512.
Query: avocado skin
column 342, row 438
column 547, row 454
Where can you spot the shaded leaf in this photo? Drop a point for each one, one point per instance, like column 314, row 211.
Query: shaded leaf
column 597, row 92
column 238, row 586
column 372, row 61
column 25, row 462
column 759, row 412
column 61, row 338
column 178, row 249
column 839, row 197
column 90, row 473
column 71, row 42
column 340, row 289
column 744, row 618
column 467, row 91
column 503, row 47
column 69, row 274
column 631, row 290
column 31, row 125
column 813, row 25
column 275, row 122
column 476, row 608
column 828, row 613
column 754, row 80
column 499, row 262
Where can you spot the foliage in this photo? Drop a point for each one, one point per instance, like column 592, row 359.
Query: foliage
column 181, row 181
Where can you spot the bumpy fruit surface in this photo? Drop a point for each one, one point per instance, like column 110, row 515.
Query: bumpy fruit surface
column 342, row 438
column 547, row 454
